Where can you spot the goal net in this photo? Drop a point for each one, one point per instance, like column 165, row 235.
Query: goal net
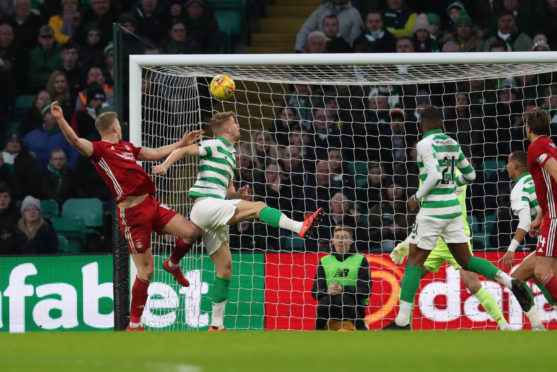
column 339, row 132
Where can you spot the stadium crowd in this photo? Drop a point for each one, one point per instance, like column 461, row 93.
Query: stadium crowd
column 347, row 149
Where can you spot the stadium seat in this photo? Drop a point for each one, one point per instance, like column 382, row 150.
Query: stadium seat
column 475, row 225
column 230, row 15
column 294, row 243
column 73, row 229
column 49, row 208
column 22, row 104
column 90, row 210
column 68, row 246
column 491, row 165
column 359, row 169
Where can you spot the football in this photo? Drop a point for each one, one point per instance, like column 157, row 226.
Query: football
column 222, row 86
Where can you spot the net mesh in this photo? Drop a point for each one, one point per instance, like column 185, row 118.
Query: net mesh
column 342, row 138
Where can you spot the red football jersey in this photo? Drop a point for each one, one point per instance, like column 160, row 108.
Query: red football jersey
column 539, row 152
column 116, row 163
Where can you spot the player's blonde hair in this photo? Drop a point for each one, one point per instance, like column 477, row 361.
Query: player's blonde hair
column 538, row 120
column 346, row 228
column 219, row 118
column 105, row 121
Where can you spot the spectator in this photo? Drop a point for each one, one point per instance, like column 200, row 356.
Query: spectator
column 20, row 163
column 108, row 68
column 398, row 19
column 349, row 20
column 152, row 20
column 9, row 214
column 335, row 41
column 35, row 235
column 178, row 42
column 245, row 173
column 66, row 22
column 540, row 43
column 395, row 138
column 521, row 11
column 83, row 121
column 273, row 191
column 450, row 47
column 388, row 220
column 498, row 45
column 91, row 51
column 325, row 133
column 42, row 141
column 404, row 44
column 8, row 177
column 263, row 149
column 342, row 211
column 453, row 11
column 543, row 22
column 300, row 99
column 550, row 103
column 457, row 119
column 295, row 175
column 59, row 90
column 285, row 120
column 369, row 194
column 319, row 190
column 6, row 8
column 57, row 181
column 131, row 44
column 342, row 284
column 101, row 12
column 13, row 67
column 33, row 118
column 8, row 240
column 421, row 36
column 317, row 42
column 202, row 26
column 25, row 24
column 506, row 30
column 435, row 26
column 466, row 39
column 71, row 67
column 341, row 177
column 375, row 38
column 95, row 77
column 44, row 59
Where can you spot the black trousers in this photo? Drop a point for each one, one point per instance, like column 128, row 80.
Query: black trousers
column 342, row 306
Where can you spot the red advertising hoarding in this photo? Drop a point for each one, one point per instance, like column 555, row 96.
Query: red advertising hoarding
column 442, row 301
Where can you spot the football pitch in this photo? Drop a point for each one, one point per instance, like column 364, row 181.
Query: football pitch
column 472, row 351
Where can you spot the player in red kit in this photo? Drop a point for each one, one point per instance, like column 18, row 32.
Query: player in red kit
column 542, row 165
column 138, row 211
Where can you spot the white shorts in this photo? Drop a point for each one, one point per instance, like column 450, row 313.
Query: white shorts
column 427, row 230
column 211, row 215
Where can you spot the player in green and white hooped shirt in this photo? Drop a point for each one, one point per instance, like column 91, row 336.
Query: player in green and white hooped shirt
column 441, row 254
column 441, row 216
column 218, row 204
column 524, row 204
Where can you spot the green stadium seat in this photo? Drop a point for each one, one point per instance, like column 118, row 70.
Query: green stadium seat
column 90, row 210
column 358, row 168
column 491, row 165
column 230, row 15
column 49, row 208
column 294, row 243
column 68, row 246
column 22, row 104
column 73, row 229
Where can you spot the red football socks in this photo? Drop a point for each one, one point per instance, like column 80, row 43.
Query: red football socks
column 139, row 298
column 550, row 283
column 180, row 249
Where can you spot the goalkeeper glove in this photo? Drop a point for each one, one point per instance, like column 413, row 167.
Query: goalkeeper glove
column 400, row 252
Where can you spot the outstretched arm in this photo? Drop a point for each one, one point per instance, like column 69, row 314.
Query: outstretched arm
column 82, row 145
column 175, row 155
column 160, row 153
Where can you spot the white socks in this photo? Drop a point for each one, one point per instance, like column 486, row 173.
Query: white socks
column 504, row 279
column 535, row 320
column 404, row 312
column 289, row 224
column 217, row 318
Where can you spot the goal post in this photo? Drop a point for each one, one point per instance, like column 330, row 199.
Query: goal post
column 349, row 102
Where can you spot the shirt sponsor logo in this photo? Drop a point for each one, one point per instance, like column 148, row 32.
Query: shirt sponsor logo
column 541, row 158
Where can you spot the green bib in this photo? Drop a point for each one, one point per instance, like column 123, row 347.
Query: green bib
column 344, row 273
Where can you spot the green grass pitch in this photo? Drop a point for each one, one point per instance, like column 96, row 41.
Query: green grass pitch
column 399, row 351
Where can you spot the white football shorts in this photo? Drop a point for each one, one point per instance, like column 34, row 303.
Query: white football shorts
column 427, row 230
column 211, row 215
